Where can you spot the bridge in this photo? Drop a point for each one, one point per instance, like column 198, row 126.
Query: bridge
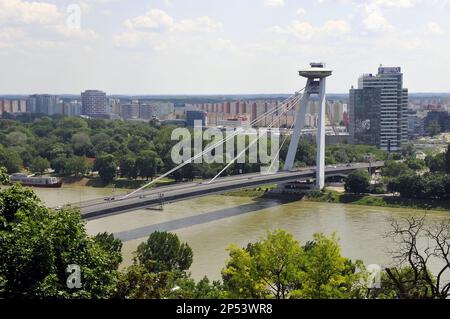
column 146, row 197
column 183, row 191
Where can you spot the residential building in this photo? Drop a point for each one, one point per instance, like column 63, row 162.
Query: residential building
column 42, row 104
column 94, row 103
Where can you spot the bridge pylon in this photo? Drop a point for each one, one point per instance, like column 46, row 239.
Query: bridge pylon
column 315, row 85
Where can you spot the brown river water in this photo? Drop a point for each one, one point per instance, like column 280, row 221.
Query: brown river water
column 210, row 224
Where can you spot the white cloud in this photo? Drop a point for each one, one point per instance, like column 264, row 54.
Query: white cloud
column 159, row 20
column 435, row 28
column 154, row 19
column 205, row 24
column 306, row 31
column 301, row 12
column 405, row 4
column 84, row 34
column 18, row 11
column 375, row 20
column 274, row 3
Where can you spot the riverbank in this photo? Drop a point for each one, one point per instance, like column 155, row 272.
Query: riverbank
column 96, row 182
column 335, row 197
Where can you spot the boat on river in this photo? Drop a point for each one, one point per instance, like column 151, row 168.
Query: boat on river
column 36, row 181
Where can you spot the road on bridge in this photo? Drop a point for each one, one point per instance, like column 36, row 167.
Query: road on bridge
column 182, row 191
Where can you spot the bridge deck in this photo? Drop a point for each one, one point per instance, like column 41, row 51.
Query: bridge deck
column 183, row 191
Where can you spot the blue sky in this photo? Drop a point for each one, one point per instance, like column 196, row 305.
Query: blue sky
column 217, row 46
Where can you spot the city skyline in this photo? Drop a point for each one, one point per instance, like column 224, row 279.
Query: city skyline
column 174, row 47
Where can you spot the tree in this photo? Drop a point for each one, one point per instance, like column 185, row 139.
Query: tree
column 10, row 160
column 76, row 165
column 37, row 245
column 40, row 165
column 204, row 289
column 240, row 277
column 106, row 166
column 326, row 273
column 163, row 252
column 358, row 182
column 418, row 246
column 395, row 169
column 111, row 245
column 81, row 143
column 138, row 283
column 416, row 165
column 278, row 266
column 436, row 163
column 59, row 164
column 148, row 163
column 128, row 166
column 4, row 177
column 16, row 139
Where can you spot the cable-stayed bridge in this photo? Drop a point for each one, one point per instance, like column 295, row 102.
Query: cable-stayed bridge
column 316, row 77
column 184, row 191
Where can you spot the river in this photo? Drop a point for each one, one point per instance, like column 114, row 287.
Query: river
column 210, row 224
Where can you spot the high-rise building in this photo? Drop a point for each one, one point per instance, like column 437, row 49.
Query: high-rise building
column 71, row 108
column 416, row 125
column 194, row 116
column 129, row 111
column 42, row 104
column 94, row 103
column 364, row 114
column 440, row 118
column 393, row 107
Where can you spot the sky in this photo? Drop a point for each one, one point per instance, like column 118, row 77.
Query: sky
column 218, row 46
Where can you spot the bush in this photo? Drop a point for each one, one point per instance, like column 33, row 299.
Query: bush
column 358, row 182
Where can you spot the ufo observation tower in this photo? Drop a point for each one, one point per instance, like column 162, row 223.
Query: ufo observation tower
column 316, row 77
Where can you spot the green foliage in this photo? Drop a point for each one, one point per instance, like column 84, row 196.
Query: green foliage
column 147, row 164
column 402, row 284
column 39, row 165
column 37, row 245
column 428, row 186
column 4, row 177
column 416, row 165
column 358, row 182
column 106, row 166
column 395, row 169
column 11, row 160
column 278, row 267
column 111, row 245
column 128, row 166
column 346, row 153
column 163, row 252
column 436, row 163
column 187, row 288
column 76, row 165
column 326, row 274
column 447, row 160
column 138, row 283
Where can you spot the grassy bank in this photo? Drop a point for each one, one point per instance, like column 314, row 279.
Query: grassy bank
column 252, row 193
column 353, row 199
column 378, row 201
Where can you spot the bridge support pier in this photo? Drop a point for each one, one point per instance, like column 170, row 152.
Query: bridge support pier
column 316, row 84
